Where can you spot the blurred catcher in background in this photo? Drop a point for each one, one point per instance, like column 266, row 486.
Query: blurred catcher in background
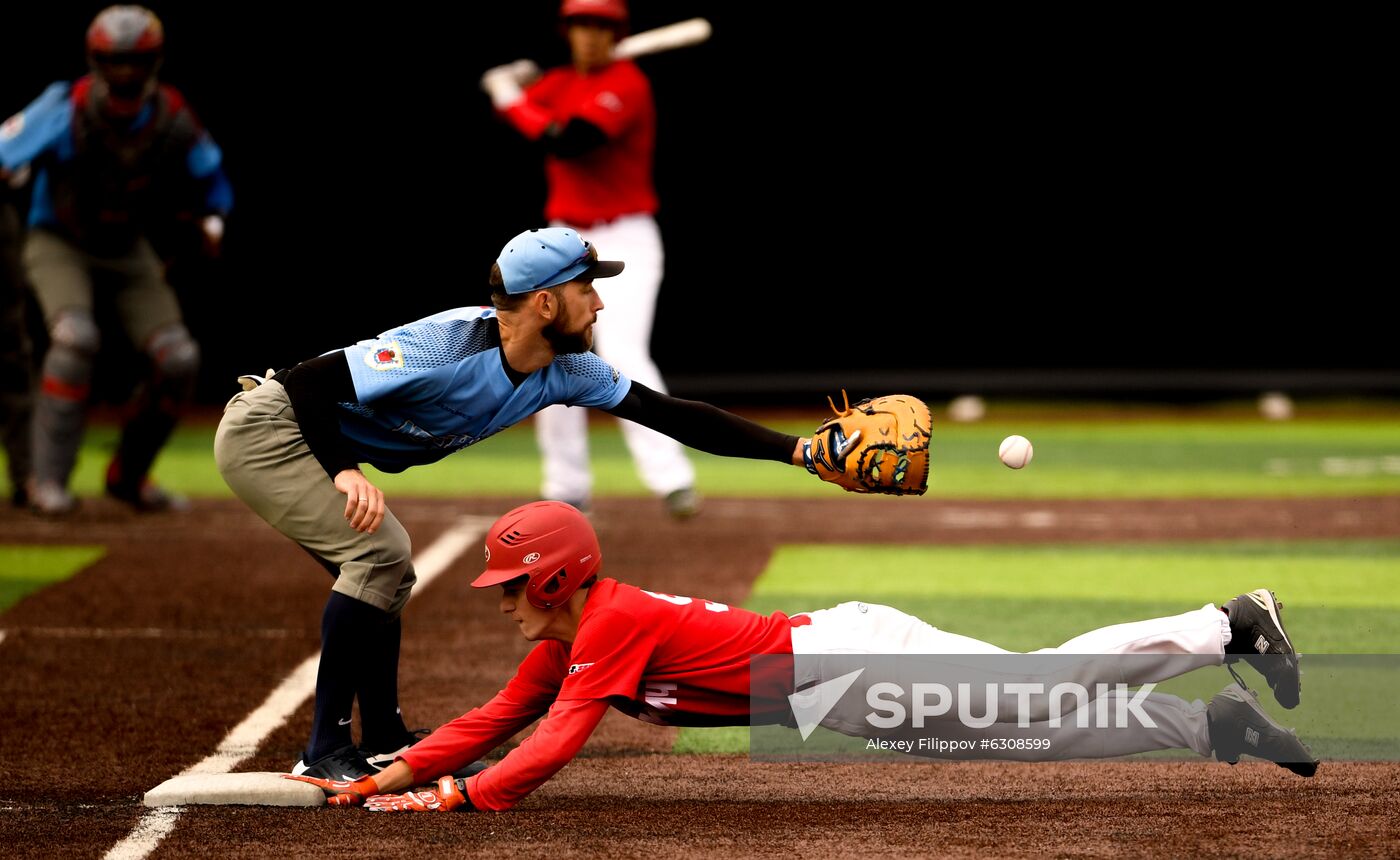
column 596, row 123
column 16, row 359
column 123, row 172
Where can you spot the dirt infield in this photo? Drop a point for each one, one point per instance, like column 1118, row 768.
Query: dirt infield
column 139, row 666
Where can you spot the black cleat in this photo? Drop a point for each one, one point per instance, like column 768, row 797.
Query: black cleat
column 49, row 499
column 381, row 760
column 345, row 764
column 1239, row 726
column 1257, row 634
column 148, row 498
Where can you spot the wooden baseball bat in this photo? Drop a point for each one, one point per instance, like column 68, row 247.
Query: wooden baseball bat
column 668, row 38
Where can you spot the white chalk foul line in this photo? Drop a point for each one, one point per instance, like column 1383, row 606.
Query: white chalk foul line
column 243, row 741
column 152, row 633
column 154, row 826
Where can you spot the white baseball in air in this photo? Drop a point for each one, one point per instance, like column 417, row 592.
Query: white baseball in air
column 1016, row 451
column 967, row 409
column 1276, row 406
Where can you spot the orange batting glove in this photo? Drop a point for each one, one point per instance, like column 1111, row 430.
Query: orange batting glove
column 340, row 792
column 449, row 795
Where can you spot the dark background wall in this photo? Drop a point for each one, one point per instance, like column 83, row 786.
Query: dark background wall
column 1136, row 204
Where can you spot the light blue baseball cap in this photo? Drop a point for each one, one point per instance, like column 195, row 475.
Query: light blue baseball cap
column 548, row 257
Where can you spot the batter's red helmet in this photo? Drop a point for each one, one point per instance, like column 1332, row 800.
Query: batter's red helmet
column 550, row 542
column 611, row 10
column 124, row 45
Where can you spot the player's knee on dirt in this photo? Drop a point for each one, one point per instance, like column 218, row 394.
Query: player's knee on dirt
column 73, row 343
column 174, row 353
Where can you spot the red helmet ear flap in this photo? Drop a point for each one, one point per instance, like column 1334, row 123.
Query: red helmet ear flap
column 543, row 591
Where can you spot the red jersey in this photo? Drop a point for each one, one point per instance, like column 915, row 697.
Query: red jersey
column 662, row 659
column 615, row 178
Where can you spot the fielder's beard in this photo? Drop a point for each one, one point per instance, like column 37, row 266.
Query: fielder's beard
column 563, row 342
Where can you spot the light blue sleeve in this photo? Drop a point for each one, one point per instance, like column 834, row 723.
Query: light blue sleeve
column 27, row 134
column 205, row 162
column 423, row 360
column 379, row 371
column 590, row 381
column 205, row 156
column 219, row 197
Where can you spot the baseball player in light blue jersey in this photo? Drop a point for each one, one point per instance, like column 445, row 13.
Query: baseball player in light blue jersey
column 291, row 447
column 410, row 365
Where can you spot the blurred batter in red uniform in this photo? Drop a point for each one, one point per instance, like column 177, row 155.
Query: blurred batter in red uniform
column 597, row 123
column 683, row 661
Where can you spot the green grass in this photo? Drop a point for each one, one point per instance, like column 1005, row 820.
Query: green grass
column 1141, row 458
column 24, row 569
column 1341, row 597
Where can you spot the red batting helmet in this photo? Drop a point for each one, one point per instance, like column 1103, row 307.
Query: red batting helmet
column 612, row 10
column 124, row 45
column 550, row 542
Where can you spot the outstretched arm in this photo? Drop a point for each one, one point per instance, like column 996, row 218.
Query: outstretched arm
column 37, row 129
column 464, row 739
column 554, row 744
column 706, row 428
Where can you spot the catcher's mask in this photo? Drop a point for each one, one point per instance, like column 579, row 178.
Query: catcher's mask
column 551, row 543
column 124, row 50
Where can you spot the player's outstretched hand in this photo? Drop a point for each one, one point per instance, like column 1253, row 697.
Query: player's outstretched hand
column 449, row 794
column 525, row 72
column 364, row 502
column 877, row 446
column 341, row 792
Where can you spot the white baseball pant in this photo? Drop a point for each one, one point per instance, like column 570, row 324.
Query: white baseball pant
column 622, row 338
column 1156, row 649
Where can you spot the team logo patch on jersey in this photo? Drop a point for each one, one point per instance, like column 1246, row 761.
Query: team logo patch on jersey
column 578, row 667
column 385, row 357
column 11, row 128
column 609, row 101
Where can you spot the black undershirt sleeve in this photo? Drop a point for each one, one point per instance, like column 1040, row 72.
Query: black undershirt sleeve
column 704, row 427
column 578, row 137
column 315, row 387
